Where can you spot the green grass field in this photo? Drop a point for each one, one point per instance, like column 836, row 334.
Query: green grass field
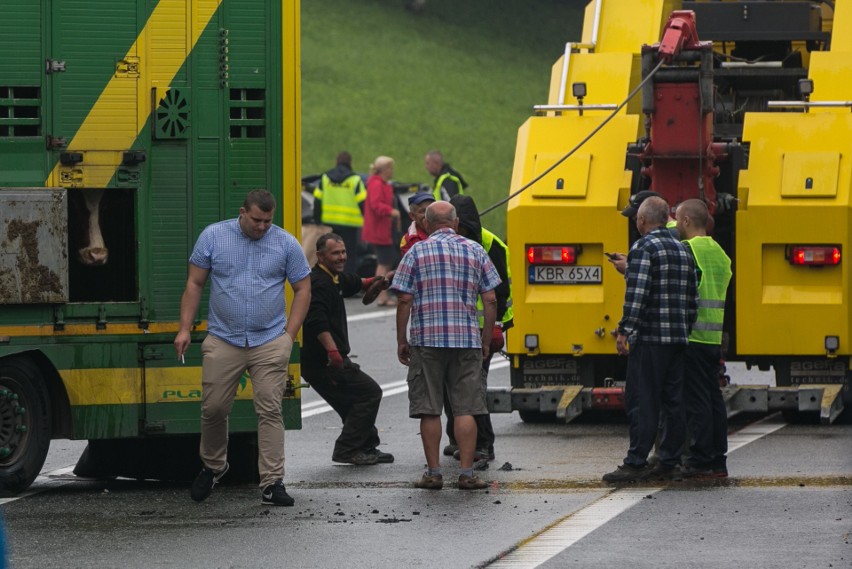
column 460, row 76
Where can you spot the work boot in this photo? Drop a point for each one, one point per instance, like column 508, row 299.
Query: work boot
column 627, row 473
column 381, row 457
column 665, row 472
column 450, row 449
column 359, row 458
column 696, row 471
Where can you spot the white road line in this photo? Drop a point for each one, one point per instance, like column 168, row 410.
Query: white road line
column 45, row 481
column 320, row 407
column 570, row 529
column 371, row 315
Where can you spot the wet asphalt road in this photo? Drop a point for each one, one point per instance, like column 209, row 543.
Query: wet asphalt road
column 788, row 502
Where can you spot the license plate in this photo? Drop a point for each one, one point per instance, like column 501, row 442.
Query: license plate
column 565, row 275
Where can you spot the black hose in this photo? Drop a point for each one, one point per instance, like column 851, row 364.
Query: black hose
column 581, row 143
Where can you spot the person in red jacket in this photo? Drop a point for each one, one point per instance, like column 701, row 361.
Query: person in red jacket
column 380, row 216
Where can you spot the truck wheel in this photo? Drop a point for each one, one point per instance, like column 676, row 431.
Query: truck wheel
column 24, row 424
column 537, row 417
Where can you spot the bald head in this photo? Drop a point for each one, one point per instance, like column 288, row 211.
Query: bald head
column 693, row 219
column 441, row 214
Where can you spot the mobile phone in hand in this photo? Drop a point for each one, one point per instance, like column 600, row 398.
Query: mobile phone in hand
column 612, row 256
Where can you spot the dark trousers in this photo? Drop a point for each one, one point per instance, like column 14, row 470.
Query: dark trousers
column 484, row 429
column 356, row 398
column 350, row 239
column 706, row 415
column 653, row 394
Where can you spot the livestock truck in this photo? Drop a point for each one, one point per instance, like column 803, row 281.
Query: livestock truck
column 125, row 128
column 743, row 104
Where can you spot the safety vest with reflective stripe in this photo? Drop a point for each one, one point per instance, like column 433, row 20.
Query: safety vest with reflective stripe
column 715, row 267
column 488, row 240
column 340, row 201
column 440, row 182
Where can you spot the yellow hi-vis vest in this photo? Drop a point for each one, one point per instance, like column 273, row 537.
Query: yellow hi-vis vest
column 488, row 240
column 340, row 201
column 715, row 267
column 440, row 182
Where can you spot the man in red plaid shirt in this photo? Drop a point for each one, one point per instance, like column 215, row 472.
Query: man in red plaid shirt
column 437, row 283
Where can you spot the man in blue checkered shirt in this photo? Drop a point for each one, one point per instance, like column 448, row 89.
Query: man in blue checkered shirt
column 248, row 261
column 660, row 306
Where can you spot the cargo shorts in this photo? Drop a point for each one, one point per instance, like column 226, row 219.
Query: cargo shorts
column 460, row 369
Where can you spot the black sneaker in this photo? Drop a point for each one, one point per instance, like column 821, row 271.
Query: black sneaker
column 203, row 484
column 381, row 457
column 358, row 458
column 450, row 449
column 276, row 495
column 665, row 472
column 627, row 473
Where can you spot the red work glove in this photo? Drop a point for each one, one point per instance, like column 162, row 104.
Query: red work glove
column 335, row 360
column 497, row 341
column 367, row 283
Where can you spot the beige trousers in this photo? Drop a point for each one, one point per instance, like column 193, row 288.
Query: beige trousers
column 222, row 367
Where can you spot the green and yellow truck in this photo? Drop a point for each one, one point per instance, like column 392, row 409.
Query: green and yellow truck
column 126, row 128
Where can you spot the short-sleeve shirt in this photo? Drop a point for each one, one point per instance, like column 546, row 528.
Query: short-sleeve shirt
column 444, row 274
column 247, row 304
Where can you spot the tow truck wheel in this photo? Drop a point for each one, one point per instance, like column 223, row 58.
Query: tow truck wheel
column 24, row 424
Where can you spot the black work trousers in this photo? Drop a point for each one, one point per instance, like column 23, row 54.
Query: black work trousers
column 653, row 394
column 706, row 415
column 484, row 429
column 356, row 398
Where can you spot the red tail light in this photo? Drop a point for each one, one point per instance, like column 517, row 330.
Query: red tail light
column 810, row 255
column 552, row 254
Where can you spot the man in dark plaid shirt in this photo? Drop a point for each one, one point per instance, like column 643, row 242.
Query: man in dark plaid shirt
column 660, row 306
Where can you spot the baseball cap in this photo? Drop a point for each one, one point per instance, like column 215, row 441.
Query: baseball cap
column 636, row 200
column 420, row 197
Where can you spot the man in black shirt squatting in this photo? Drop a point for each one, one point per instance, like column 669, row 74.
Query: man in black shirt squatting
column 325, row 363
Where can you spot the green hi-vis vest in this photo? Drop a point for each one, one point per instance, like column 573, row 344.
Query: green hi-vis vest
column 715, row 267
column 440, row 182
column 340, row 201
column 488, row 240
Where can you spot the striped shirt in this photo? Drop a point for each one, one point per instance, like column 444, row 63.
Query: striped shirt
column 661, row 300
column 247, row 305
column 445, row 273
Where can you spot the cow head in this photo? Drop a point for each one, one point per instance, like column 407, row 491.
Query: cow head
column 85, row 228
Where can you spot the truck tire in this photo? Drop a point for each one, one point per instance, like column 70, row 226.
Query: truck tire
column 24, row 424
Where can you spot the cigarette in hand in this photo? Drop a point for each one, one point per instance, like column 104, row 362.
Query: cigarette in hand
column 182, row 360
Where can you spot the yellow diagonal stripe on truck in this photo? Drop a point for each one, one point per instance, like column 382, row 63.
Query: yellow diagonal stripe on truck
column 100, row 131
